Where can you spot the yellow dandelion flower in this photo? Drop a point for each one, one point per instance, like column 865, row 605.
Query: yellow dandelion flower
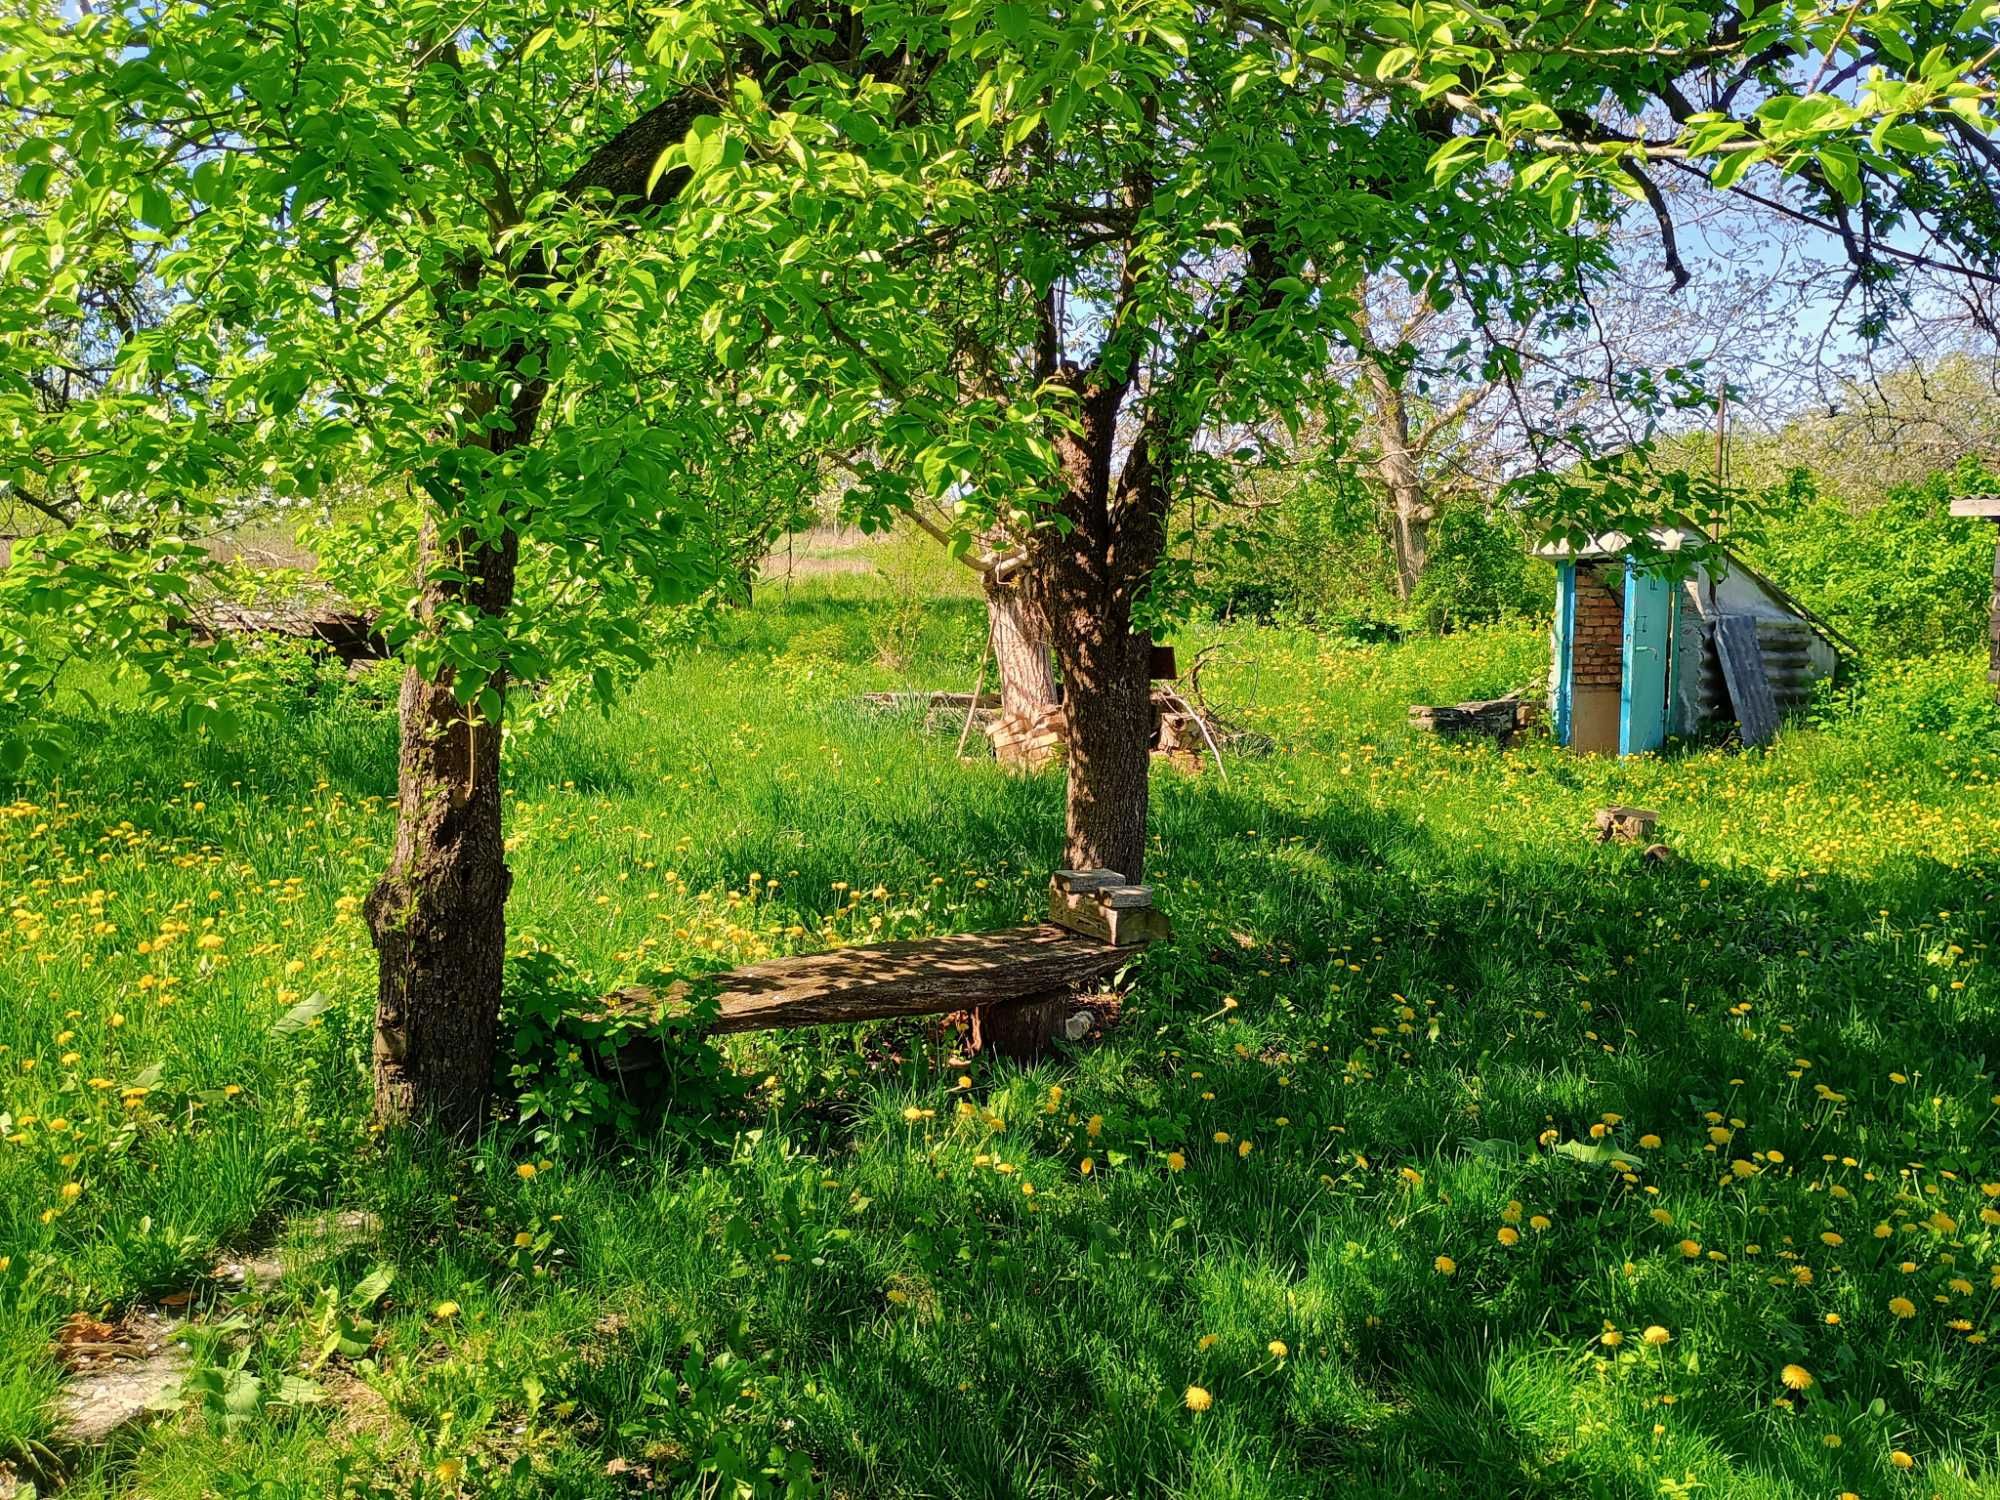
column 1278, row 1349
column 1796, row 1378
column 1902, row 1307
column 1197, row 1399
column 1655, row 1336
column 1445, row 1265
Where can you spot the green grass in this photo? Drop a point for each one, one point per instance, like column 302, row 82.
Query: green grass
column 1420, row 1003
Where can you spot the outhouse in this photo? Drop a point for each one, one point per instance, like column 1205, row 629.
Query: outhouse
column 1637, row 656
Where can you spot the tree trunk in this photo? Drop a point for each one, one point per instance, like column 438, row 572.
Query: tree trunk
column 1088, row 579
column 1109, row 714
column 1020, row 648
column 1410, row 511
column 439, row 914
column 1993, row 623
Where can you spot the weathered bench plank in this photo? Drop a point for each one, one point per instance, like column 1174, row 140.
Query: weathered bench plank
column 930, row 976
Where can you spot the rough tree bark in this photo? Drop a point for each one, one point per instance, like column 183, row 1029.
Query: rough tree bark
column 1410, row 510
column 438, row 915
column 1089, row 579
column 1021, row 649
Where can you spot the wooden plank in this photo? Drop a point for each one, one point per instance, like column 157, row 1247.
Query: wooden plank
column 926, row 977
column 1743, row 670
column 1080, row 882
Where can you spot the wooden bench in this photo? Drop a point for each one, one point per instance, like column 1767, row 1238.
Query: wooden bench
column 1016, row 982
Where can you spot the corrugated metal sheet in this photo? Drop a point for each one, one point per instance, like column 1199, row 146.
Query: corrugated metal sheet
column 1743, row 670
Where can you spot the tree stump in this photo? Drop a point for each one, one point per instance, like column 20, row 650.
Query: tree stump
column 1625, row 825
column 1020, row 1029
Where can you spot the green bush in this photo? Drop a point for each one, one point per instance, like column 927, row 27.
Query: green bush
column 1925, row 699
column 1315, row 556
column 1480, row 571
column 1320, row 557
column 1903, row 578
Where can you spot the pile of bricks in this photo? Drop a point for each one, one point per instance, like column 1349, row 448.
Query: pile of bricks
column 1501, row 719
column 1598, row 649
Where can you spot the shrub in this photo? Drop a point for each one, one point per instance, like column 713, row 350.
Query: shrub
column 1940, row 697
column 1480, row 571
column 1903, row 578
column 585, row 1069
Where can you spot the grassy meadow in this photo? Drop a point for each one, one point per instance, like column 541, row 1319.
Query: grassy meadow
column 1445, row 1152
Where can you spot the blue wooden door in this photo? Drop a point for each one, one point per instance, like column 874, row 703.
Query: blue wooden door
column 1642, row 692
column 1565, row 647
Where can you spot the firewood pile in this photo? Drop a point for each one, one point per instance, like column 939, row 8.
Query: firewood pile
column 1030, row 741
column 1187, row 733
column 1498, row 719
column 1185, row 736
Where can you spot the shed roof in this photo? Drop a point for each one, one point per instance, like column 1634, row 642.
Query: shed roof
column 1611, row 544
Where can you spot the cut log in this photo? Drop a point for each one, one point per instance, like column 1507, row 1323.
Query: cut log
column 1497, row 718
column 319, row 623
column 966, row 971
column 1020, row 1029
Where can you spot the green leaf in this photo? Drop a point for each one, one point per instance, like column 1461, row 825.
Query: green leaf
column 1734, row 165
column 302, row 1015
column 372, row 1287
column 1843, row 171
column 703, row 147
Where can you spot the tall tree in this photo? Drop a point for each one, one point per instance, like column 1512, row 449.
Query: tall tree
column 1022, row 255
column 420, row 242
column 1095, row 233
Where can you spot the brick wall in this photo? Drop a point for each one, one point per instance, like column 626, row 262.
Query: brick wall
column 1600, row 627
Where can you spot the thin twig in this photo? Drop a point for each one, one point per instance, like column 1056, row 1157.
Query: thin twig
column 978, row 687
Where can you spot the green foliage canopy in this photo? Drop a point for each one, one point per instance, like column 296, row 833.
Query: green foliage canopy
column 544, row 275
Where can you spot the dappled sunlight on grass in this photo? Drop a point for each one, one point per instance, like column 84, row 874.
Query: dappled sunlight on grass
column 1433, row 1108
